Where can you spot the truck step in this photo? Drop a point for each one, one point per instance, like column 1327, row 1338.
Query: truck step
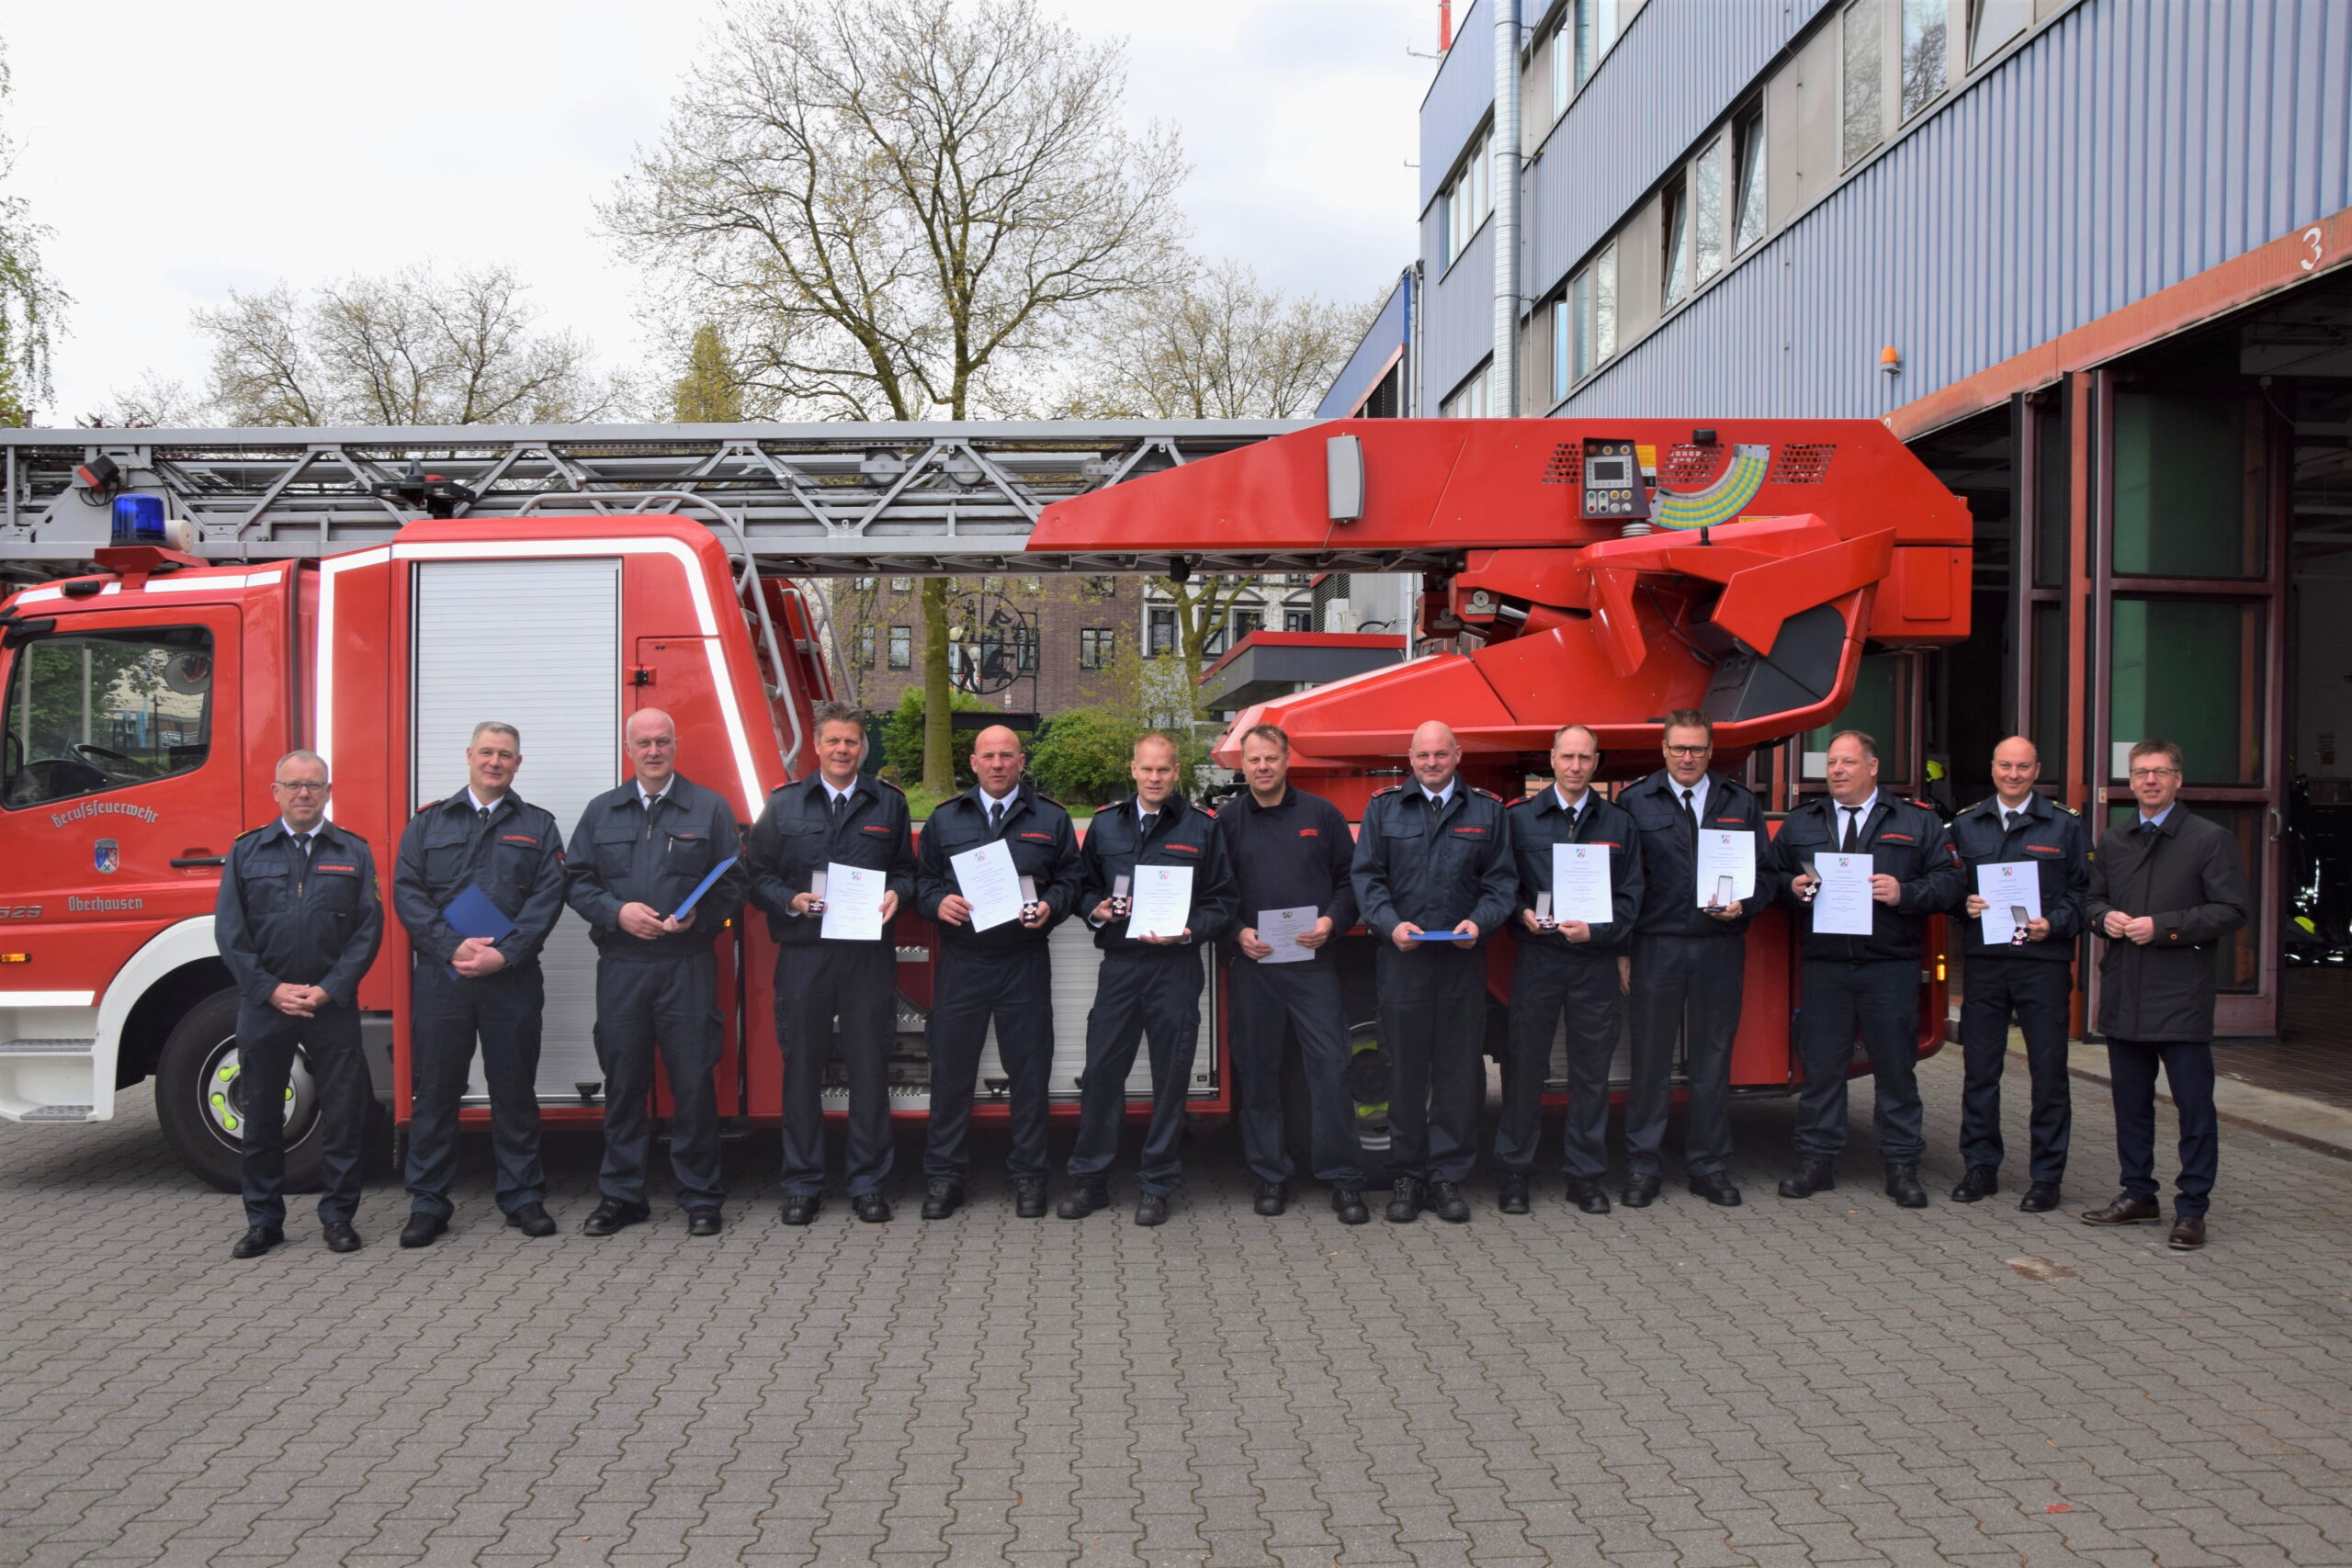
column 46, row 1047
column 59, row 1113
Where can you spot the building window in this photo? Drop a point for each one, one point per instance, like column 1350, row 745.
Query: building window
column 1095, row 647
column 1469, row 399
column 1298, row 620
column 1584, row 324
column 1863, row 122
column 1100, row 587
column 1160, row 631
column 1562, row 60
column 1247, row 621
column 902, row 647
column 865, row 584
column 1924, row 61
column 1024, row 644
column 1596, row 31
column 902, row 585
column 1466, row 201
column 1707, row 210
column 1747, row 179
column 866, row 648
column 1992, row 23
column 1033, row 585
column 991, row 585
column 1674, row 223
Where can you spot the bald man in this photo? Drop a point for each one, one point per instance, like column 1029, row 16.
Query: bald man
column 1434, row 879
column 1003, row 975
column 639, row 852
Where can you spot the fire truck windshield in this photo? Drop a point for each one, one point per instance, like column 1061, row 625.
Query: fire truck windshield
column 93, row 711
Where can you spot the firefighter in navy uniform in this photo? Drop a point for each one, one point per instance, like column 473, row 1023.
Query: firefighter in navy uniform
column 639, row 852
column 1868, row 984
column 1149, row 986
column 298, row 923
column 1004, row 974
column 1690, row 962
column 2033, row 978
column 484, row 836
column 839, row 816
column 1566, row 965
column 1433, row 857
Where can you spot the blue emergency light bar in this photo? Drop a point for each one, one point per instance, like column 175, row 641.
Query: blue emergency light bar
column 139, row 520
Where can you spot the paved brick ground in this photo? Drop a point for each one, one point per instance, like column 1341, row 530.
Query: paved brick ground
column 1828, row 1382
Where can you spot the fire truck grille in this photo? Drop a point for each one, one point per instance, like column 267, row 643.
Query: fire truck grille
column 1803, row 463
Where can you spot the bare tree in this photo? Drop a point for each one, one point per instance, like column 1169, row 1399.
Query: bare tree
column 406, row 348
column 31, row 301
column 896, row 210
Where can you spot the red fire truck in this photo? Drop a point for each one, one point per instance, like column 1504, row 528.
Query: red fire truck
column 1605, row 572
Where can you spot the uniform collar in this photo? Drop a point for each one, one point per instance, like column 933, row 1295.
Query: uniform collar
column 2162, row 819
column 2034, row 808
column 1838, row 809
column 1559, row 802
column 669, row 791
column 317, row 833
column 1169, row 809
column 1443, row 798
column 982, row 799
column 825, row 787
column 467, row 801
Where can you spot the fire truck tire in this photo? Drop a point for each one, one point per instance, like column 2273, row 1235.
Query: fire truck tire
column 201, row 1111
column 1368, row 1085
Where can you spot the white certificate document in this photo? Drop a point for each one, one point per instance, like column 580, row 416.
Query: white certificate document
column 1841, row 905
column 988, row 882
column 1162, row 902
column 1278, row 929
column 1580, row 888
column 854, row 903
column 1726, row 867
column 2012, row 893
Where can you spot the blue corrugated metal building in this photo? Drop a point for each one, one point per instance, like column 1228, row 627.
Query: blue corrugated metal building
column 2085, row 255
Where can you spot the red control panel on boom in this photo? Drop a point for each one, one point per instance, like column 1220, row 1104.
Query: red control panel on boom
column 1608, row 571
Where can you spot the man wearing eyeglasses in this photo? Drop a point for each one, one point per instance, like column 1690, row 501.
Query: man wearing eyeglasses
column 1690, row 959
column 2166, row 886
column 298, row 923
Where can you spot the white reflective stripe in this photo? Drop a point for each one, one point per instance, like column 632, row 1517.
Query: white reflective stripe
column 323, row 654
column 705, row 621
column 47, row 998
column 34, row 595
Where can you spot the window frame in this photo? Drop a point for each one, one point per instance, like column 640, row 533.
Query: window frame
column 1750, row 165
column 1849, row 150
column 1940, row 33
column 902, row 647
column 1097, row 647
column 16, row 696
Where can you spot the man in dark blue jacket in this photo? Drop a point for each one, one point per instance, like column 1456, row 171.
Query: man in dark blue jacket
column 1689, row 960
column 836, row 816
column 487, row 837
column 639, row 852
column 1291, row 850
column 299, row 923
column 1004, row 973
column 1434, row 878
column 1866, row 983
column 2029, row 975
column 1566, row 965
column 1149, row 983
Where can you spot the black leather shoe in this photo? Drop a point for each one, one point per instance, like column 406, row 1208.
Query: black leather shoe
column 1405, row 1200
column 1511, row 1192
column 421, row 1228
column 2188, row 1233
column 799, row 1208
column 2125, row 1211
column 1903, row 1186
column 1348, row 1203
column 1084, row 1200
column 2040, row 1197
column 1981, row 1181
column 533, row 1218
column 1813, row 1175
column 705, row 1222
column 256, row 1240
column 1589, row 1194
column 1029, row 1197
column 1447, row 1202
column 1151, row 1209
column 1273, row 1197
column 871, row 1207
column 941, row 1198
column 341, row 1236
column 1641, row 1191
column 1717, row 1188
column 610, row 1217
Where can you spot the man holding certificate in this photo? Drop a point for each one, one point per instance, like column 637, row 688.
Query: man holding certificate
column 1434, row 875
column 1707, row 866
column 1155, row 886
column 1290, row 851
column 1869, row 869
column 997, row 871
column 831, row 860
column 2026, row 856
column 644, row 859
column 1579, row 889
column 487, row 846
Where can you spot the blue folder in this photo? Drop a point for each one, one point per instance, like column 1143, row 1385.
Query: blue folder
column 1439, row 936
column 701, row 888
column 472, row 914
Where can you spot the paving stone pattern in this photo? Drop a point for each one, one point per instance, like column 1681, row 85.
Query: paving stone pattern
column 1826, row 1381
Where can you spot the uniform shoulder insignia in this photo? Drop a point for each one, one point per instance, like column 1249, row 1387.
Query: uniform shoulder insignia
column 1521, row 800
column 1391, row 789
column 886, row 783
column 1924, row 804
column 2067, row 809
column 1041, row 795
column 1490, row 794
column 1207, row 811
column 426, row 806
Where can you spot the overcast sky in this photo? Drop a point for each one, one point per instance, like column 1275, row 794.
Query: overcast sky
column 181, row 151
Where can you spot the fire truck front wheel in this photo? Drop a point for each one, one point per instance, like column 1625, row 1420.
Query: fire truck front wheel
column 200, row 1102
